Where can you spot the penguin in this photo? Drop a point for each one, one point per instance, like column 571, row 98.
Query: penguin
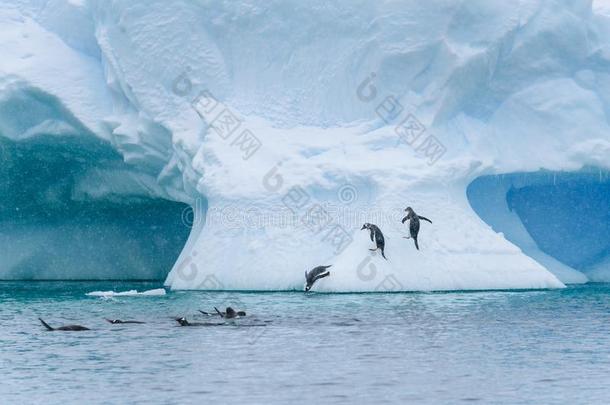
column 229, row 313
column 314, row 275
column 377, row 237
column 183, row 322
column 117, row 321
column 413, row 224
column 66, row 327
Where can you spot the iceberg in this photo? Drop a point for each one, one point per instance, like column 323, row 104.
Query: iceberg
column 129, row 293
column 232, row 146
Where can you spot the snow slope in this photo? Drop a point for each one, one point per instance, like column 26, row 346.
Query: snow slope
column 286, row 125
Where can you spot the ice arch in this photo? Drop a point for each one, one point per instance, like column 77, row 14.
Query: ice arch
column 71, row 209
column 561, row 219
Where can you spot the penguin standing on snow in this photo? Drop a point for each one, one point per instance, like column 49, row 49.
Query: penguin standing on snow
column 376, row 236
column 413, row 224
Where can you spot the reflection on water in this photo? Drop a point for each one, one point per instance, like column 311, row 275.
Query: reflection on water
column 514, row 347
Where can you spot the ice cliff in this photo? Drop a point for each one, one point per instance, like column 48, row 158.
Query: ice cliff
column 286, row 125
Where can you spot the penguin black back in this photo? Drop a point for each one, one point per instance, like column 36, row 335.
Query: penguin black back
column 377, row 237
column 64, row 328
column 314, row 275
column 414, row 224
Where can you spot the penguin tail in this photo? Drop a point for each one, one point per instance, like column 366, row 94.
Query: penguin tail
column 46, row 325
column 416, row 244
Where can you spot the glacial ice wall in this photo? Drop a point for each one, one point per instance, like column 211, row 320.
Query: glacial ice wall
column 286, row 125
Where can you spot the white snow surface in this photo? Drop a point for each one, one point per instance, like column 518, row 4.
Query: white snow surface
column 503, row 86
column 129, row 293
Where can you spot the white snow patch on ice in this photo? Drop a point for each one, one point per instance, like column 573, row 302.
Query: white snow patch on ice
column 130, row 293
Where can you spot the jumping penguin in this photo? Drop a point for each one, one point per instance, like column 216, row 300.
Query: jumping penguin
column 377, row 237
column 314, row 275
column 413, row 224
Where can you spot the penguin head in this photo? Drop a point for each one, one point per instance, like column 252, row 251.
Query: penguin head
column 182, row 321
column 230, row 312
column 409, row 209
column 308, row 287
column 365, row 226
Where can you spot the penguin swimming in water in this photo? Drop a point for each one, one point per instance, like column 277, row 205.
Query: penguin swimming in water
column 228, row 314
column 377, row 237
column 66, row 327
column 183, row 322
column 117, row 321
column 314, row 275
column 413, row 224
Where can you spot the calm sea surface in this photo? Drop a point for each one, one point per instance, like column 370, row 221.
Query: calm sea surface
column 490, row 347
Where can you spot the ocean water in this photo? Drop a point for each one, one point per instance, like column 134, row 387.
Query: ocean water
column 490, row 347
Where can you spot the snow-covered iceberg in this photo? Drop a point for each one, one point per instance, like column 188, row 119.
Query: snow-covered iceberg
column 285, row 125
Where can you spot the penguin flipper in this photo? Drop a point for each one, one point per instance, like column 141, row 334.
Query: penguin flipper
column 372, row 235
column 405, row 219
column 425, row 219
column 46, row 325
column 319, row 276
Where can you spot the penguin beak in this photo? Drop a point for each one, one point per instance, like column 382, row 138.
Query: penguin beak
column 363, row 227
column 307, row 287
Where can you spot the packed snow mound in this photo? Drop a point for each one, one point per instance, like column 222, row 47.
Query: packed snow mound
column 287, row 125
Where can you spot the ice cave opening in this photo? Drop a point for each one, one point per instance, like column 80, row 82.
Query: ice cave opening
column 561, row 219
column 70, row 208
